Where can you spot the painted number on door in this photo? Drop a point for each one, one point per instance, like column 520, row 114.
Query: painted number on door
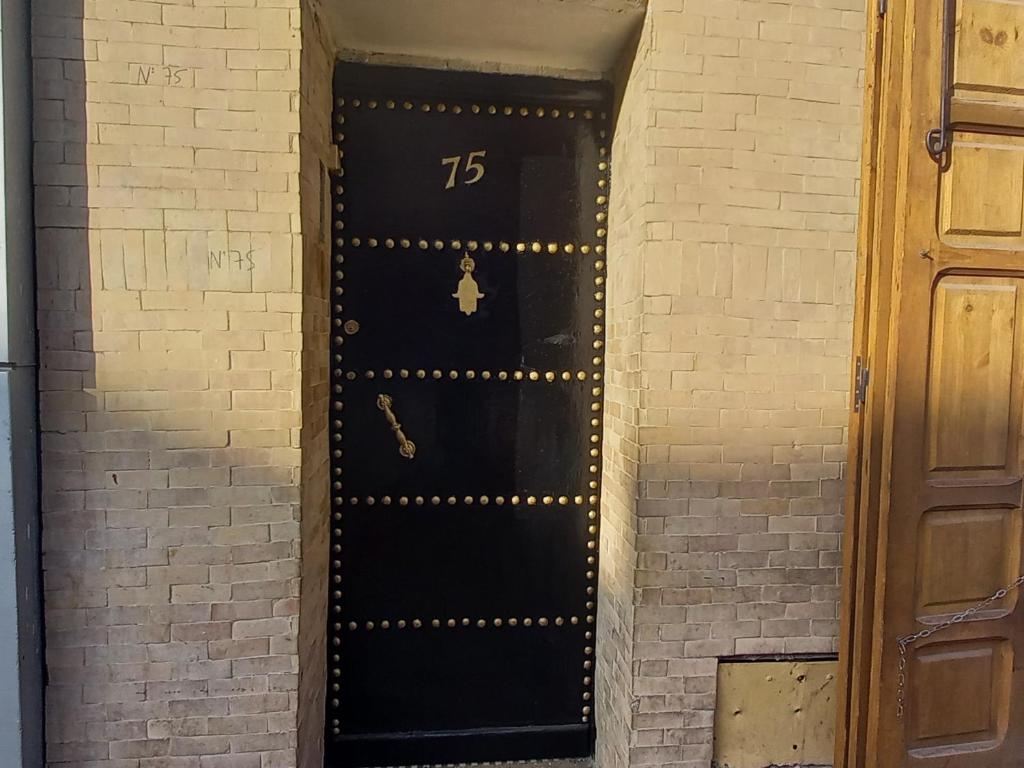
column 472, row 172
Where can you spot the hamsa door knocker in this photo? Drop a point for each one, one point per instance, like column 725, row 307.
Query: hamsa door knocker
column 468, row 292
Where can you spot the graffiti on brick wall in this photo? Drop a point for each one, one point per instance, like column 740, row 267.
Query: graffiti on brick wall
column 159, row 74
column 231, row 260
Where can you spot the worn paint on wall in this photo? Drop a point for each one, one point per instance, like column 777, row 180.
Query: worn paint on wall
column 775, row 714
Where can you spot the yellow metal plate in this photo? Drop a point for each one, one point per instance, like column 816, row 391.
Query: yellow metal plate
column 775, row 714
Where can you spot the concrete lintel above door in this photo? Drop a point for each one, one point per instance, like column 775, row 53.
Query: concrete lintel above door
column 571, row 37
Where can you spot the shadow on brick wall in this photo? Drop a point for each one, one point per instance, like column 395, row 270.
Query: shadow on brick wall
column 67, row 380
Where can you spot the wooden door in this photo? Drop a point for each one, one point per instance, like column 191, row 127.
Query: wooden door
column 934, row 643
column 467, row 374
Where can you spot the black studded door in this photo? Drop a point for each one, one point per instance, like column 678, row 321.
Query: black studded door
column 467, row 356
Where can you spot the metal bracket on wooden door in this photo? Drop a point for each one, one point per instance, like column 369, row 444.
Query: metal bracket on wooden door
column 939, row 140
column 860, row 385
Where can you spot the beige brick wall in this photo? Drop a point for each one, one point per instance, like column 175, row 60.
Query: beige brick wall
column 742, row 169
column 183, row 318
column 171, row 315
column 317, row 156
column 624, row 308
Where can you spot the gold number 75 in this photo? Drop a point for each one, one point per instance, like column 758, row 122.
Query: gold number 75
column 472, row 166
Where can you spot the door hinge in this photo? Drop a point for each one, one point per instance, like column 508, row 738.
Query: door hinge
column 860, row 384
column 883, row 7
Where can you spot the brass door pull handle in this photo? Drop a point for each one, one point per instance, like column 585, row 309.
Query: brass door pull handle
column 406, row 447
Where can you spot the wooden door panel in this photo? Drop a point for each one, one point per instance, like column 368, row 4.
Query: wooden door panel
column 988, row 66
column 420, row 324
column 981, row 202
column 961, row 698
column 973, row 364
column 527, row 159
column 509, row 451
column 429, row 561
column 963, row 558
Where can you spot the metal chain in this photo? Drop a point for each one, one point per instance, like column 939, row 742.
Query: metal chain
column 907, row 640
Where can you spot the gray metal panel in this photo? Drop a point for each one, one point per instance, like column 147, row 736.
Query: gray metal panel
column 17, row 295
column 21, row 690
column 21, row 625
